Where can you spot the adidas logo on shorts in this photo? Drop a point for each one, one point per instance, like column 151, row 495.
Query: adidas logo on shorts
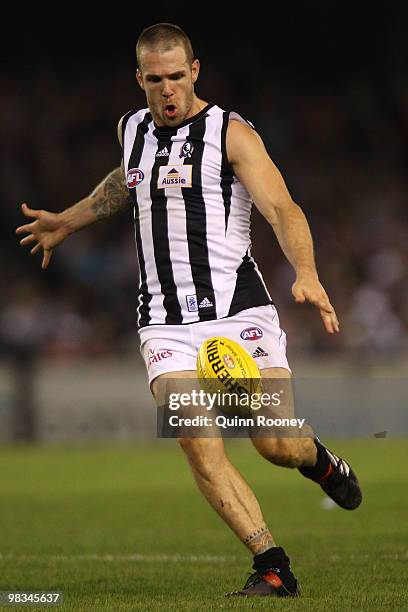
column 259, row 352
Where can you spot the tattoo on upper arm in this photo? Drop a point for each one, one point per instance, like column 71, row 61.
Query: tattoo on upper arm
column 111, row 196
column 259, row 540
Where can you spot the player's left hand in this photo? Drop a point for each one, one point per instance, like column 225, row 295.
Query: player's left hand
column 308, row 287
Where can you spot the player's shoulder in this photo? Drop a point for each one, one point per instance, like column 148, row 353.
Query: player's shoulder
column 242, row 139
column 239, row 133
column 238, row 125
column 232, row 117
column 240, row 130
column 135, row 113
column 238, row 119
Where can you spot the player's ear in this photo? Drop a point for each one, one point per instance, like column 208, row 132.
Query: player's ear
column 195, row 69
column 139, row 78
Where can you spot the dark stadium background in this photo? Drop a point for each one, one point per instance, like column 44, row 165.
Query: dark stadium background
column 326, row 86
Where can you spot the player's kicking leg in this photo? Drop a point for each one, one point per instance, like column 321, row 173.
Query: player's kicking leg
column 311, row 457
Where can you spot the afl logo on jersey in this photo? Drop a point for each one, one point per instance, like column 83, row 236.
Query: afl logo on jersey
column 134, row 177
column 251, row 333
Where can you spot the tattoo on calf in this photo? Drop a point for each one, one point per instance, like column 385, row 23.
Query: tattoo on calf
column 258, row 541
column 111, row 196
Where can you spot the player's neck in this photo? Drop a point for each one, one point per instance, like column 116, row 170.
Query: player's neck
column 196, row 107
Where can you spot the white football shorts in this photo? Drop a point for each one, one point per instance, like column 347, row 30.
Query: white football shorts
column 172, row 348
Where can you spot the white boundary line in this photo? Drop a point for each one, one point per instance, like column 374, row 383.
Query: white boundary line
column 141, row 558
column 164, row 558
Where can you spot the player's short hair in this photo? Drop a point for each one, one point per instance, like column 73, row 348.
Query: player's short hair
column 163, row 37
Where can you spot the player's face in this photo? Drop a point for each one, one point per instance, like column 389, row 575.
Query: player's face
column 168, row 81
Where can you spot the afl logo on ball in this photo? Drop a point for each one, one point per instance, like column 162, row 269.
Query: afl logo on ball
column 251, row 333
column 134, row 177
column 228, row 361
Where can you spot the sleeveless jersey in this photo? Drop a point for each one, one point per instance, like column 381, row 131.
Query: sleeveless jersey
column 192, row 220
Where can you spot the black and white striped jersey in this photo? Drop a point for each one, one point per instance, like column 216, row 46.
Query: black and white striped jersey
column 192, row 220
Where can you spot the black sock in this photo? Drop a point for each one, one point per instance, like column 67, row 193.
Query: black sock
column 318, row 471
column 273, row 557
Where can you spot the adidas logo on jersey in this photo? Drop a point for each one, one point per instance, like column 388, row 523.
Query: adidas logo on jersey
column 205, row 303
column 193, row 305
column 259, row 352
column 163, row 153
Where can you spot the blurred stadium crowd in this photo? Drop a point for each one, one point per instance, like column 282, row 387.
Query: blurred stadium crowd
column 341, row 146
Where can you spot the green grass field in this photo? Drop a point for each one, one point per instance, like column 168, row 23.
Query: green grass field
column 125, row 529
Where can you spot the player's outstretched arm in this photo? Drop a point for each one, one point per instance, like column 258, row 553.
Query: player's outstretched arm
column 254, row 168
column 47, row 230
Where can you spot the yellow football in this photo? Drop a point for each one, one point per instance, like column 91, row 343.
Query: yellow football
column 224, row 366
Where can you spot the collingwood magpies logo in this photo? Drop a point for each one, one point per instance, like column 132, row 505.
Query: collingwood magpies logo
column 186, row 150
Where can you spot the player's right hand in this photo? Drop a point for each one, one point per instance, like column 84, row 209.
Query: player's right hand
column 46, row 231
